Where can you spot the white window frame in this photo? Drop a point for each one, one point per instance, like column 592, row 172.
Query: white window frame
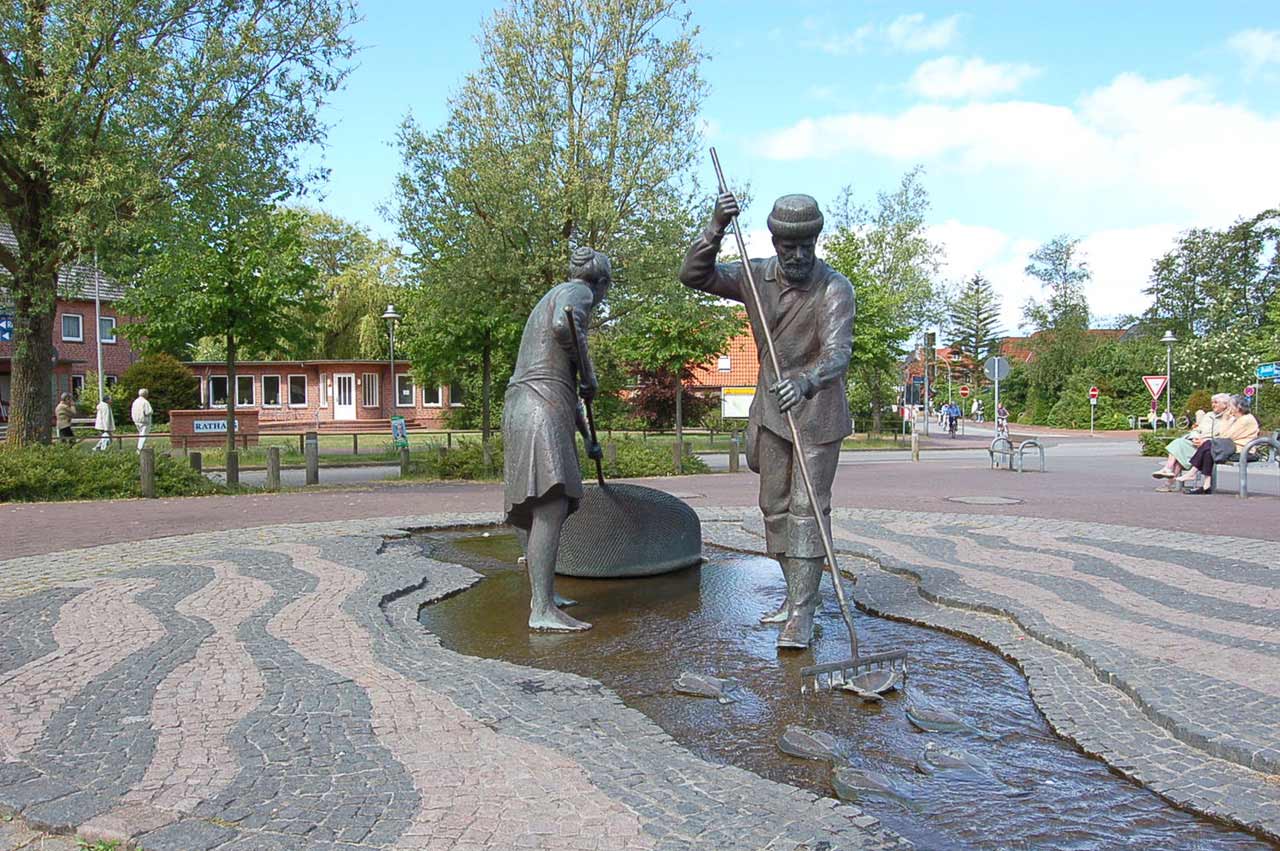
column 253, row 389
column 724, row 364
column 324, row 390
column 365, row 393
column 439, row 402
column 75, row 392
column 279, row 399
column 79, row 338
column 108, row 341
column 453, row 404
column 226, row 395
column 413, row 391
column 306, row 393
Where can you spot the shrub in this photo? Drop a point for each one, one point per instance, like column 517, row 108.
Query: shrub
column 52, row 473
column 170, row 386
column 1154, row 443
column 636, row 459
column 1200, row 400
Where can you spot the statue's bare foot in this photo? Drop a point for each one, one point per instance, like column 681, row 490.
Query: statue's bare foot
column 554, row 620
column 564, row 602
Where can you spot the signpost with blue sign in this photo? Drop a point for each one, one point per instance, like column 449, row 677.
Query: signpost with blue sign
column 1268, row 370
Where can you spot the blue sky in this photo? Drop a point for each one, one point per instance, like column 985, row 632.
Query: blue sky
column 1122, row 124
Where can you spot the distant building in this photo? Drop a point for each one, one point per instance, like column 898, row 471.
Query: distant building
column 327, row 394
column 731, row 376
column 75, row 339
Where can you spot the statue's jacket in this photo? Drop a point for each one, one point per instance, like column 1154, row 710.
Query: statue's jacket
column 812, row 325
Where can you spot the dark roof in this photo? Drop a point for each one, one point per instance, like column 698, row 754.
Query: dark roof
column 75, row 280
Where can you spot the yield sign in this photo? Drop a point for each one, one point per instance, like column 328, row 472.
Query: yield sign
column 1155, row 384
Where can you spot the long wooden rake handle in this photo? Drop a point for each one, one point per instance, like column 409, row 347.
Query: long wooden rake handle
column 800, row 459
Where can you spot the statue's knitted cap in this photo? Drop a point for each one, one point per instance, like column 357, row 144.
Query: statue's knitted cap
column 795, row 217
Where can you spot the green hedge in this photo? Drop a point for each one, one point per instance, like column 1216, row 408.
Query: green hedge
column 636, row 459
column 53, row 473
column 1153, row 442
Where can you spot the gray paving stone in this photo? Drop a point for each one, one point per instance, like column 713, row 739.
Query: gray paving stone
column 64, row 815
column 188, row 835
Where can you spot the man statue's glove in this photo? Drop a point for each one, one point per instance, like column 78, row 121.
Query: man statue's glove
column 790, row 392
column 726, row 208
column 595, row 452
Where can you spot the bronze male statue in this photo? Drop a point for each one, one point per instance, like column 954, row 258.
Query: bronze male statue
column 541, row 411
column 810, row 309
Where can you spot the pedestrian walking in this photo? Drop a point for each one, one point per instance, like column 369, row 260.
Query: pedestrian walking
column 62, row 415
column 142, row 414
column 105, row 423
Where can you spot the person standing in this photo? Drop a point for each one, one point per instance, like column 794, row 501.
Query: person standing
column 541, row 480
column 105, row 422
column 810, row 309
column 62, row 416
column 142, row 413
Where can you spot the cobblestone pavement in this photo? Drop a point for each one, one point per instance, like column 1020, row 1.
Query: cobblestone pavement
column 271, row 689
column 1156, row 651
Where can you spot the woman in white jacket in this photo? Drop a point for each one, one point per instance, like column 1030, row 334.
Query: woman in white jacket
column 104, row 422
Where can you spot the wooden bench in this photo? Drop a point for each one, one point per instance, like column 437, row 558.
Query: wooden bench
column 1246, row 459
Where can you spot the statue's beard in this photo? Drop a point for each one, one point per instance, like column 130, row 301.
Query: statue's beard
column 796, row 270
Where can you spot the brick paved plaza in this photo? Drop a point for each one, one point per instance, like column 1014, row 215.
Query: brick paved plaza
column 269, row 687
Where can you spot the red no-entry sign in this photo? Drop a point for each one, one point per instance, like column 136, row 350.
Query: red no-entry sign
column 1093, row 392
column 964, row 391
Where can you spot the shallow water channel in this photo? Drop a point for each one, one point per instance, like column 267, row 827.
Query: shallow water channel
column 1042, row 793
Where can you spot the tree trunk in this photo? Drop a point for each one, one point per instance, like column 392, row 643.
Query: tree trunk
column 31, row 390
column 876, row 392
column 231, row 393
column 680, row 419
column 485, row 392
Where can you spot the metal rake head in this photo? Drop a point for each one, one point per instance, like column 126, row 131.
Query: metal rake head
column 832, row 675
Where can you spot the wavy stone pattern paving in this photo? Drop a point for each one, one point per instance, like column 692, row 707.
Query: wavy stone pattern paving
column 476, row 785
column 198, row 705
column 94, row 631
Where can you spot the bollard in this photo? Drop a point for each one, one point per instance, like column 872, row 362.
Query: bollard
column 312, row 453
column 676, row 459
column 302, row 446
column 733, row 455
column 233, row 469
column 147, row 472
column 404, row 461
column 273, row 468
column 355, row 444
column 197, row 461
column 611, row 455
column 915, row 446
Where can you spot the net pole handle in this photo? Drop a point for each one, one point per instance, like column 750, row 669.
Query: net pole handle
column 797, row 446
column 581, row 345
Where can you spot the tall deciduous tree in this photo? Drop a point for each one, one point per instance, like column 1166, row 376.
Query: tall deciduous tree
column 110, row 110
column 1060, row 323
column 574, row 131
column 228, row 272
column 974, row 323
column 887, row 255
column 1219, row 281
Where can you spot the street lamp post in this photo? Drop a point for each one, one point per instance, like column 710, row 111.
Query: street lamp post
column 392, row 318
column 1168, row 339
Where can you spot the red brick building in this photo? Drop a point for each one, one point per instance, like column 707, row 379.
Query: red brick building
column 75, row 335
column 731, row 376
column 326, row 394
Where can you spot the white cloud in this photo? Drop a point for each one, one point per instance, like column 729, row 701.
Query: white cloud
column 910, row 33
column 1258, row 48
column 1120, row 260
column 913, row 33
column 1165, row 143
column 953, row 77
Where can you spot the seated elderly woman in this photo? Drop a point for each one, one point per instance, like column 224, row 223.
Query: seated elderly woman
column 1181, row 449
column 1242, row 429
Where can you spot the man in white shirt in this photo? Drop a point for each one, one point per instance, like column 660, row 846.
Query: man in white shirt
column 141, row 413
column 105, row 423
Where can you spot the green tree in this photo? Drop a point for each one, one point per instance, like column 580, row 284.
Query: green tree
column 1219, row 281
column 887, row 255
column 574, row 131
column 170, row 386
column 108, row 111
column 226, row 271
column 1060, row 323
column 974, row 324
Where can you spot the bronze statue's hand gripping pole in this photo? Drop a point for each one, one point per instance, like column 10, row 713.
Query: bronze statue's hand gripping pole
column 801, row 462
column 581, row 345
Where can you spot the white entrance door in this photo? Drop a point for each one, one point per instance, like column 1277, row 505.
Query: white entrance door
column 344, row 397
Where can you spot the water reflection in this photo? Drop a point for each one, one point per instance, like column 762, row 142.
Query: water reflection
column 1040, row 792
